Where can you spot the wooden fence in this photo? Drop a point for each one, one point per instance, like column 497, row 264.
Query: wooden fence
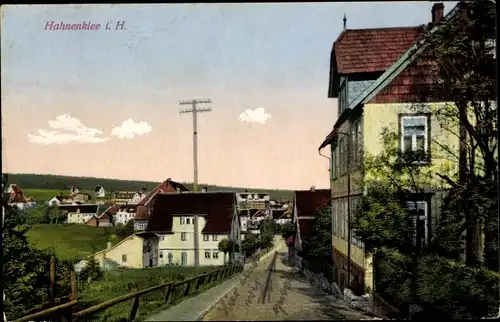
column 66, row 311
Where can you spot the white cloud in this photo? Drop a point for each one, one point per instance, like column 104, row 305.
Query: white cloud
column 257, row 115
column 72, row 131
column 129, row 129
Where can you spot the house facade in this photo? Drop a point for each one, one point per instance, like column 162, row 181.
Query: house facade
column 100, row 192
column 172, row 218
column 124, row 213
column 80, row 214
column 59, row 200
column 306, row 203
column 139, row 250
column 387, row 101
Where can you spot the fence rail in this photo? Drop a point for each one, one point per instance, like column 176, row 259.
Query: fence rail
column 65, row 311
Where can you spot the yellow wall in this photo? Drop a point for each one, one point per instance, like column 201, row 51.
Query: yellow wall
column 131, row 247
column 172, row 243
column 378, row 116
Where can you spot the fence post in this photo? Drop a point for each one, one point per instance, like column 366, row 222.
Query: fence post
column 188, row 287
column 52, row 272
column 200, row 279
column 209, row 279
column 168, row 292
column 133, row 311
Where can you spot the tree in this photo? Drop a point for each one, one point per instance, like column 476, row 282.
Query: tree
column 250, row 244
column 320, row 243
column 92, row 271
column 227, row 246
column 287, row 230
column 25, row 270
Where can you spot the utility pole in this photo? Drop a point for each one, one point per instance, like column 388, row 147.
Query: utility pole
column 195, row 110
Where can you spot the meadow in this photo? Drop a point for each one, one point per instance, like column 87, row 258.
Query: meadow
column 71, row 241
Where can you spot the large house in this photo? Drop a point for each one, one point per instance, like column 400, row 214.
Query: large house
column 306, row 204
column 144, row 206
column 253, row 208
column 80, row 213
column 172, row 217
column 371, row 76
column 18, row 199
column 139, row 250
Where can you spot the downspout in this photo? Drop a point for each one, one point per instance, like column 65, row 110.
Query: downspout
column 329, row 179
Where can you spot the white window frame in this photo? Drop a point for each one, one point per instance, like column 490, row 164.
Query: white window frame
column 414, row 136
column 424, row 217
column 183, row 220
column 215, row 255
column 170, row 257
column 188, row 221
column 207, row 255
column 184, row 236
column 215, row 237
column 206, row 237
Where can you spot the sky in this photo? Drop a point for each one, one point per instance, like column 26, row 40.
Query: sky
column 105, row 103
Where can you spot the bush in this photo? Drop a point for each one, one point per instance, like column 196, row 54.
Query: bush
column 443, row 287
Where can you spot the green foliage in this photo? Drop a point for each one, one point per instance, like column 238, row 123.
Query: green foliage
column 25, row 270
column 123, row 231
column 228, row 247
column 287, row 230
column 250, row 245
column 320, row 243
column 92, row 272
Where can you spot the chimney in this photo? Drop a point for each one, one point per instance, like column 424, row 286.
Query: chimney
column 108, row 245
column 437, row 12
column 313, row 188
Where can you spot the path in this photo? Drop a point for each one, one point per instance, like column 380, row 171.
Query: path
column 287, row 296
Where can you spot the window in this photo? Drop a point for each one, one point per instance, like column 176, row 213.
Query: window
column 188, row 221
column 161, row 254
column 214, row 237
column 342, row 96
column 333, row 166
column 414, row 133
column 170, row 258
column 341, row 155
column 206, row 237
column 215, row 255
column 207, row 255
column 183, row 220
column 124, row 258
column 183, row 236
column 184, row 257
column 417, row 210
column 162, row 238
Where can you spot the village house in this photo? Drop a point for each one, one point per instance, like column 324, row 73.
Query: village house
column 144, row 206
column 306, row 204
column 372, row 75
column 59, row 200
column 80, row 213
column 139, row 250
column 253, row 208
column 18, row 199
column 172, row 218
column 123, row 213
column 99, row 192
column 132, row 197
column 103, row 220
column 81, row 197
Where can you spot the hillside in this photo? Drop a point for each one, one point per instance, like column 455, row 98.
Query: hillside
column 56, row 182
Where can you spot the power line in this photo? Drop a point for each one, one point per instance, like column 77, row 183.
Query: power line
column 195, row 110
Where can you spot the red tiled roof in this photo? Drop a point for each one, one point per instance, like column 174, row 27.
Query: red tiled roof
column 142, row 213
column 217, row 208
column 166, row 186
column 308, row 202
column 372, row 50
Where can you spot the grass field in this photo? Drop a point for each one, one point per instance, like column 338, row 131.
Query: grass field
column 71, row 241
column 120, row 282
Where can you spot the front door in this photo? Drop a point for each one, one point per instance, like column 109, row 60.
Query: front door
column 183, row 258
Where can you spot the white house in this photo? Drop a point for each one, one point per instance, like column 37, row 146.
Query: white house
column 124, row 213
column 80, row 213
column 59, row 200
column 100, row 192
column 172, row 218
